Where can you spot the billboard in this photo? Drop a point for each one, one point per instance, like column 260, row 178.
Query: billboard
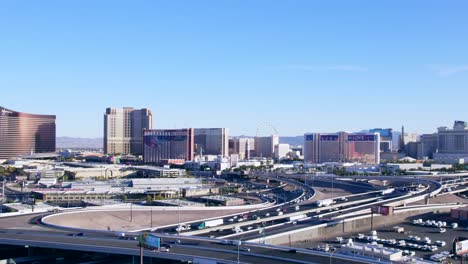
column 149, row 241
column 153, row 141
column 461, row 247
column 383, row 210
column 150, row 141
column 309, row 137
column 361, row 137
column 328, row 137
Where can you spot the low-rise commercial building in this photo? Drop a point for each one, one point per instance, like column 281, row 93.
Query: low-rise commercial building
column 178, row 202
column 281, row 151
column 372, row 251
column 223, row 200
column 114, row 189
column 459, row 213
column 161, row 172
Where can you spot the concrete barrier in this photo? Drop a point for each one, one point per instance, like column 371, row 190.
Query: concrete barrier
column 348, row 226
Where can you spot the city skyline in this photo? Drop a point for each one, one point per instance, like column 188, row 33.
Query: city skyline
column 303, row 67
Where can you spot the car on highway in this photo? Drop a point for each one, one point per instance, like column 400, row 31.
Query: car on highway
column 77, row 234
column 226, row 242
column 246, row 249
column 163, row 249
column 173, row 242
column 127, row 237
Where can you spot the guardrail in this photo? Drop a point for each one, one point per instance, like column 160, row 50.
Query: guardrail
column 365, row 211
column 454, row 192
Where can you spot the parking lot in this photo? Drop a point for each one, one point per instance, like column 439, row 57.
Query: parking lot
column 413, row 236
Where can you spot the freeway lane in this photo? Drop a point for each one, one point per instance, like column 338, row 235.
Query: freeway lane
column 190, row 247
column 432, row 186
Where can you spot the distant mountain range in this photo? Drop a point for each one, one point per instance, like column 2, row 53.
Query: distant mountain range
column 80, row 143
column 94, row 143
column 293, row 141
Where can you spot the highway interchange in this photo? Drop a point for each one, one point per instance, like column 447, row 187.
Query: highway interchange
column 22, row 230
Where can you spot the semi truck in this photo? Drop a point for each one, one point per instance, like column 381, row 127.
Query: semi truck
column 388, row 191
column 325, row 202
column 211, row 223
column 297, row 217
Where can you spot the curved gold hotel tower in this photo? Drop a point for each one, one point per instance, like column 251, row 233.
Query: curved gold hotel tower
column 22, row 133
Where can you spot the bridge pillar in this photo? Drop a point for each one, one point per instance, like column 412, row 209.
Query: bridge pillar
column 426, row 201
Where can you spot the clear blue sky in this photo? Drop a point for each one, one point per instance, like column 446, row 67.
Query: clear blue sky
column 300, row 65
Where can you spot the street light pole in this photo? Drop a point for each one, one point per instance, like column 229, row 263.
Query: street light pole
column 331, row 256
column 333, row 188
column 141, row 254
column 238, row 250
column 151, row 217
column 131, row 212
column 3, row 190
column 178, row 213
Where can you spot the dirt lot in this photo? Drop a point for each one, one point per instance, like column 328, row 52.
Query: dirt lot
column 123, row 220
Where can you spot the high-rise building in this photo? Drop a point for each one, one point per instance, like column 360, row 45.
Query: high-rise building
column 453, row 140
column 212, row 141
column 427, row 146
column 386, row 138
column 328, row 147
column 243, row 146
column 123, row 130
column 22, row 133
column 282, row 150
column 342, row 147
column 363, row 148
column 165, row 146
column 265, row 146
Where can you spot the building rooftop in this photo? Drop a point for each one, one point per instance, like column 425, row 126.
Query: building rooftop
column 220, row 198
